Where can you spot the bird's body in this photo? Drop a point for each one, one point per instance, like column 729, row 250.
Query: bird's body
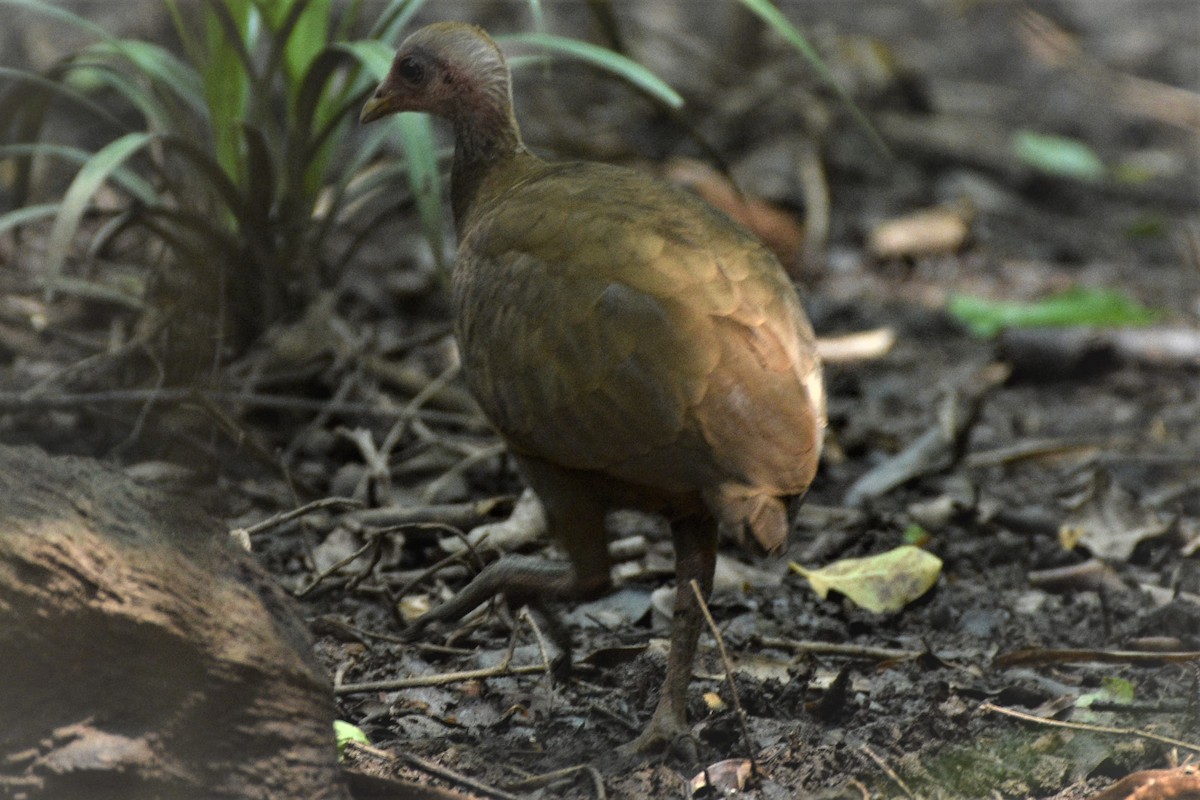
column 634, row 347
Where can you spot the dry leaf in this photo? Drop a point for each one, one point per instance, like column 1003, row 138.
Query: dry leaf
column 722, row 779
column 931, row 232
column 880, row 583
column 1108, row 520
column 777, row 228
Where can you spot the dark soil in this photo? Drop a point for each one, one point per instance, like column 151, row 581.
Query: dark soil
column 1104, row 442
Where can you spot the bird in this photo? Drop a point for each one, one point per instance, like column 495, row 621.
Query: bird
column 633, row 347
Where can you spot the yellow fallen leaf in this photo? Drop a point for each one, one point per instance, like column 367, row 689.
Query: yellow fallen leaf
column 880, row 583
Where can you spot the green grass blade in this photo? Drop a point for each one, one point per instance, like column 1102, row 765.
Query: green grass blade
column 62, row 15
column 375, row 56
column 539, row 15
column 1058, row 155
column 157, row 65
column 209, row 171
column 87, row 181
column 23, row 216
column 1079, row 306
column 53, row 86
column 767, row 11
column 306, row 40
column 607, row 60
column 228, row 73
column 394, row 20
column 424, row 179
column 157, row 115
column 416, row 137
column 122, row 176
column 260, row 183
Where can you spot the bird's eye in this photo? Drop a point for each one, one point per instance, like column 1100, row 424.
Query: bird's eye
column 410, row 70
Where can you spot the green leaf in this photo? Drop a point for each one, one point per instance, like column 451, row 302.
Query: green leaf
column 87, row 181
column 767, row 11
column 1078, row 306
column 126, row 178
column 227, row 72
column 605, row 59
column 539, row 15
column 915, row 535
column 1058, row 155
column 424, row 178
column 57, row 87
column 881, row 583
column 1112, row 690
column 62, row 15
column 375, row 56
column 22, row 216
column 345, row 733
column 159, row 66
column 395, row 19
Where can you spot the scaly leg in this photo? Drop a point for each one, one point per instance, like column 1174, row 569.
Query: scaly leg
column 695, row 559
column 575, row 517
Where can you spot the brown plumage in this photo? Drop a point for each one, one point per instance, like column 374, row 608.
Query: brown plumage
column 634, row 347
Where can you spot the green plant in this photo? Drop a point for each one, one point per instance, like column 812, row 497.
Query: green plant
column 226, row 158
column 231, row 168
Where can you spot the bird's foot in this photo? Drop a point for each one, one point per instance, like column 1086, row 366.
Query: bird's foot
column 668, row 733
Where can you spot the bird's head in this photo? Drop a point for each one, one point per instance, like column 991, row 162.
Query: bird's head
column 450, row 69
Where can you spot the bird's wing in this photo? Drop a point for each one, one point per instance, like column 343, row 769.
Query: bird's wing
column 611, row 323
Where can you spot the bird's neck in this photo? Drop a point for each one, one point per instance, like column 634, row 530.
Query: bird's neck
column 485, row 141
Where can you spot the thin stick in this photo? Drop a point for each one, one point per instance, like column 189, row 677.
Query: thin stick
column 320, row 577
column 416, row 762
column 539, row 781
column 339, row 503
column 891, row 773
column 1085, row 726
column 848, row 650
column 442, row 679
column 34, row 401
column 737, row 701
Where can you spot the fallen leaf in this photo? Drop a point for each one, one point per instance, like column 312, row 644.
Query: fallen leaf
column 722, row 779
column 1078, row 306
column 775, row 227
column 1108, row 520
column 1058, row 155
column 344, row 733
column 923, row 233
column 880, row 583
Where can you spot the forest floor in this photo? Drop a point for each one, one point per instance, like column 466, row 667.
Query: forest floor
column 1036, row 667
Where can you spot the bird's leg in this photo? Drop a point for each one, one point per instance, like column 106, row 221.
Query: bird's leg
column 575, row 518
column 519, row 578
column 695, row 559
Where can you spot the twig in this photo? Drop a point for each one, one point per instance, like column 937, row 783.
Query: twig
column 287, row 516
column 549, row 778
column 891, row 773
column 39, row 401
column 751, row 747
column 442, row 679
column 416, row 762
column 320, row 577
column 853, row 347
column 1033, row 449
column 456, row 515
column 410, row 411
column 1087, row 726
column 1039, row 656
column 483, row 453
column 847, row 650
column 526, row 616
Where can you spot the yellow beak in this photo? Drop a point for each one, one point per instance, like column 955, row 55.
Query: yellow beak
column 373, row 109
